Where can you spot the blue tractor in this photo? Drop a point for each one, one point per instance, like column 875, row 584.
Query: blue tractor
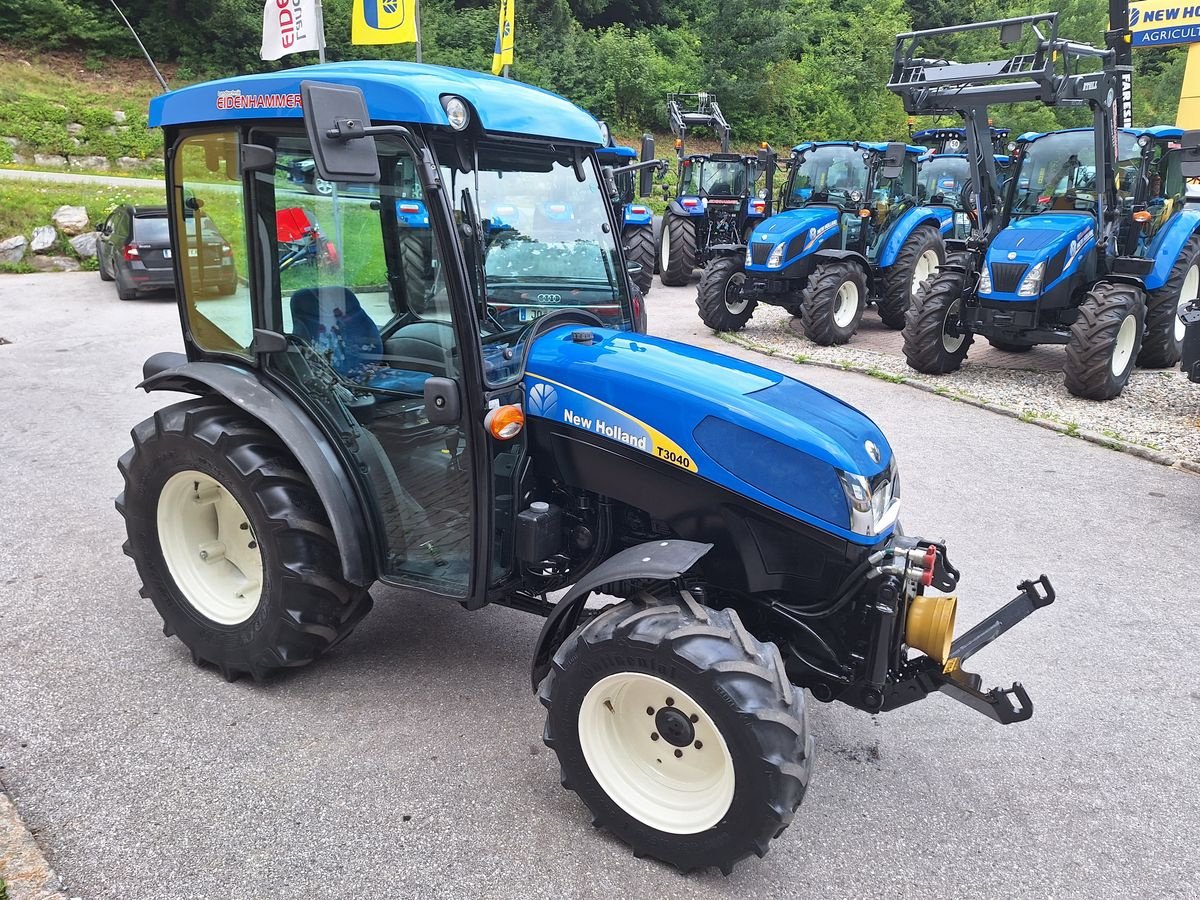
column 1089, row 244
column 954, row 140
column 944, row 179
column 636, row 219
column 335, row 435
column 850, row 225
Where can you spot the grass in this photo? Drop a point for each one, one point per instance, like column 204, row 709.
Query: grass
column 885, row 376
column 3, row 889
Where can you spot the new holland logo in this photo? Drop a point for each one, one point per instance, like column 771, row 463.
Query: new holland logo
column 543, row 400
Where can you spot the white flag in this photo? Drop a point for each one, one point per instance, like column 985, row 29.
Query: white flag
column 290, row 26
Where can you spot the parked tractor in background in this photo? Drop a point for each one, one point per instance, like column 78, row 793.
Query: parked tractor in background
column 631, row 180
column 716, row 202
column 944, row 179
column 850, row 227
column 1189, row 316
column 954, row 140
column 1090, row 245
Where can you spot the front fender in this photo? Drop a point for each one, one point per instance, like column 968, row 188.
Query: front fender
column 299, row 433
column 902, row 229
column 653, row 561
column 1168, row 243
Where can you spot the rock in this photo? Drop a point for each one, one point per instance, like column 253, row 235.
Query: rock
column 54, row 264
column 74, row 129
column 76, row 142
column 13, row 249
column 20, row 159
column 90, row 162
column 84, row 244
column 49, row 159
column 71, row 219
column 118, row 116
column 43, row 238
column 11, row 141
column 129, row 162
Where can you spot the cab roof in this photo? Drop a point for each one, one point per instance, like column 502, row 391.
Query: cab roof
column 394, row 91
column 618, row 152
column 877, row 146
column 1158, row 132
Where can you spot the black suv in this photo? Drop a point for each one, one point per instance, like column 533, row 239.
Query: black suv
column 134, row 249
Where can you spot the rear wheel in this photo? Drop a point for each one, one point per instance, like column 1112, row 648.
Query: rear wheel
column 231, row 541
column 679, row 730
column 639, row 248
column 414, row 257
column 832, row 305
column 676, row 250
column 105, row 275
column 1162, row 344
column 935, row 339
column 1104, row 341
column 123, row 292
column 320, row 186
column 918, row 260
column 719, row 298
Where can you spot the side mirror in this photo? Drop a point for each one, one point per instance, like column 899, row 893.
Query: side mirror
column 893, row 159
column 1190, row 162
column 335, row 117
column 646, row 176
column 442, row 403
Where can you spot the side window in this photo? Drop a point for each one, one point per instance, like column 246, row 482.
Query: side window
column 211, row 231
column 1171, row 170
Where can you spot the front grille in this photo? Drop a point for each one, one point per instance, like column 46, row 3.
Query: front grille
column 1007, row 276
column 759, row 253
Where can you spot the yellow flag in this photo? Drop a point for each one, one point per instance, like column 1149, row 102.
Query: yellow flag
column 384, row 22
column 502, row 53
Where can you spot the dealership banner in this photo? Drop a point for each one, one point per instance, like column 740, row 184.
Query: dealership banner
column 290, row 26
column 1157, row 23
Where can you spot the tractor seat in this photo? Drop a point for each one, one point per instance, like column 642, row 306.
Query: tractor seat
column 332, row 320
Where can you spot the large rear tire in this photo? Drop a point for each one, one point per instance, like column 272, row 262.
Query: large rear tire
column 1162, row 343
column 414, row 257
column 232, row 542
column 833, row 303
column 719, row 298
column 917, row 261
column 639, row 248
column 676, row 250
column 1104, row 341
column 935, row 341
column 679, row 730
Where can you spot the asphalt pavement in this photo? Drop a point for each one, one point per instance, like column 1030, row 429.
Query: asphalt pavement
column 409, row 762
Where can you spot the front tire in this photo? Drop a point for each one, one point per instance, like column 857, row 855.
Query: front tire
column 639, row 248
column 676, row 250
column 1104, row 341
column 721, row 304
column 832, row 305
column 1162, row 343
column 232, row 542
column 935, row 340
column 918, row 261
column 679, row 730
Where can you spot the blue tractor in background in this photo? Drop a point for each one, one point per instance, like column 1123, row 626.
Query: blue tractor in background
column 954, row 140
column 632, row 180
column 850, row 226
column 717, row 200
column 944, row 179
column 1090, row 244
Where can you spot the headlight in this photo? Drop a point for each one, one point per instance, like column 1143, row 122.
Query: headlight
column 874, row 503
column 775, row 260
column 456, row 112
column 749, row 261
column 985, row 280
column 1031, row 284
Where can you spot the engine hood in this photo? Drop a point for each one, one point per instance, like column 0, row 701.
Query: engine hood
column 1040, row 237
column 760, row 433
column 791, row 223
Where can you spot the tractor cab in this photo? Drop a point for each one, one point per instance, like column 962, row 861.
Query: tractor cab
column 954, row 140
column 944, row 179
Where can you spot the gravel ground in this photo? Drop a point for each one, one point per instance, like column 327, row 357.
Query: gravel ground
column 1159, row 410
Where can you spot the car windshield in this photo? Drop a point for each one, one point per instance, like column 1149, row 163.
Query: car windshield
column 150, row 229
column 547, row 241
column 715, row 178
column 1058, row 172
column 942, row 180
column 830, row 174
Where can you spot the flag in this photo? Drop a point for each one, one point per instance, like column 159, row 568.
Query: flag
column 502, row 53
column 384, row 22
column 290, row 26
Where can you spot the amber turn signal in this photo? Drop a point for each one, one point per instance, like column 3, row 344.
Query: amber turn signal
column 1141, row 217
column 864, row 214
column 504, row 422
column 930, row 625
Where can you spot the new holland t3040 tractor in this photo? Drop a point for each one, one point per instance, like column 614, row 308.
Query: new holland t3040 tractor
column 850, row 225
column 499, row 433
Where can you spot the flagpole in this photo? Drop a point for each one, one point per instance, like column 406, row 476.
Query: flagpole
column 417, row 22
column 320, row 32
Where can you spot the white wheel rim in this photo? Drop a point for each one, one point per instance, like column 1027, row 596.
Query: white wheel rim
column 952, row 342
column 1123, row 348
column 322, row 186
column 927, row 264
column 665, row 253
column 845, row 304
column 738, row 306
column 209, row 547
column 683, row 794
column 1189, row 292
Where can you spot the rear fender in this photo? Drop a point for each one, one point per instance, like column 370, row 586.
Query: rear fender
column 1168, row 244
column 903, row 228
column 678, row 209
column 299, row 433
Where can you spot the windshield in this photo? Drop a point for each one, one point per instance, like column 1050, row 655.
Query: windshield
column 547, row 242
column 832, row 174
column 715, row 178
column 1058, row 172
column 942, row 180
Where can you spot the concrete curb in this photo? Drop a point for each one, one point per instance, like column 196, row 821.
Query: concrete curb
column 24, row 870
column 1154, row 456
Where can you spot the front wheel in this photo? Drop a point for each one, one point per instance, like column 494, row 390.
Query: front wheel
column 722, row 305
column 936, row 339
column 639, row 248
column 1104, row 341
column 833, row 303
column 1162, row 344
column 679, row 730
column 918, row 260
column 231, row 541
column 676, row 250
